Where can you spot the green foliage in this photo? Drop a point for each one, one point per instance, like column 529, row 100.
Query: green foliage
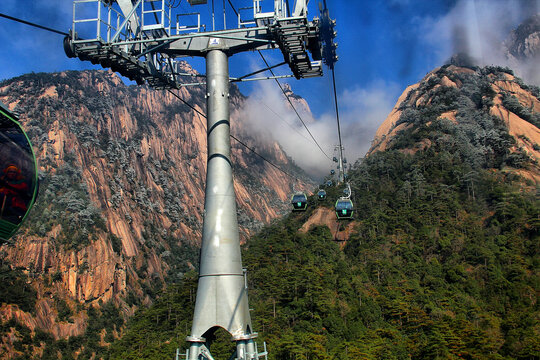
column 102, row 324
column 443, row 262
column 20, row 337
column 497, row 70
column 476, row 137
column 64, row 311
column 446, row 216
column 64, row 200
column 156, row 332
column 511, row 103
column 15, row 288
column 116, row 243
column 427, row 275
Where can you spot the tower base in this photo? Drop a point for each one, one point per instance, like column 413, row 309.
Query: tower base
column 246, row 349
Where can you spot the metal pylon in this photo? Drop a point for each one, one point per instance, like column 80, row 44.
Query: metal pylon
column 141, row 40
column 222, row 293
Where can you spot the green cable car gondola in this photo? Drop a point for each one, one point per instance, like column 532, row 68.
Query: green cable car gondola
column 18, row 174
column 344, row 208
column 299, row 201
column 321, row 195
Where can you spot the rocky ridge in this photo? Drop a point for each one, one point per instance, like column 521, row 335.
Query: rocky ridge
column 498, row 94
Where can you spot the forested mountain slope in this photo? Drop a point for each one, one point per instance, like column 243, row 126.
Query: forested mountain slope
column 443, row 262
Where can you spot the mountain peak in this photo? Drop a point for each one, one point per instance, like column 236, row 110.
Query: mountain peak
column 488, row 111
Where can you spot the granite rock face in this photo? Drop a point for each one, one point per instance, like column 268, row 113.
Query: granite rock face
column 460, row 97
column 524, row 42
column 122, row 173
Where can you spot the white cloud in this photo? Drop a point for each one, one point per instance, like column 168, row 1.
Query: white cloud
column 362, row 110
column 479, row 27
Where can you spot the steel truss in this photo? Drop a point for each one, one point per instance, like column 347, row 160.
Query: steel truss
column 145, row 43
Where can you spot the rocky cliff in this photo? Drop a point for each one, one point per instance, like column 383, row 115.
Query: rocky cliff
column 490, row 103
column 522, row 49
column 122, row 172
column 524, row 41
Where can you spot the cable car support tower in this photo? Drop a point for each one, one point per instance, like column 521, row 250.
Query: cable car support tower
column 142, row 40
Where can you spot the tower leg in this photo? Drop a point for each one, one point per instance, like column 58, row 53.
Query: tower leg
column 221, row 295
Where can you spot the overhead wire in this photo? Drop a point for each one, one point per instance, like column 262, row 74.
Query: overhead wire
column 282, row 119
column 173, row 4
column 331, row 63
column 33, row 24
column 290, row 103
column 232, row 6
column 262, row 157
column 337, row 114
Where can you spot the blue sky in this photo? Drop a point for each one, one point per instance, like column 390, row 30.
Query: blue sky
column 384, row 46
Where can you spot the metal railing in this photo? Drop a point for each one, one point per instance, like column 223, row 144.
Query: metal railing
column 106, row 23
column 249, row 22
column 100, row 21
column 183, row 27
column 154, row 18
column 97, row 21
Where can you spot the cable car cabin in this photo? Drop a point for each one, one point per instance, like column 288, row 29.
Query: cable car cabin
column 299, row 202
column 321, row 195
column 18, row 174
column 344, row 208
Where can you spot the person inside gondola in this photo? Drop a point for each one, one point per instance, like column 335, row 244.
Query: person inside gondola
column 13, row 191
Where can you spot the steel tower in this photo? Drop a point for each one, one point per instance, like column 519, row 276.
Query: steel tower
column 143, row 40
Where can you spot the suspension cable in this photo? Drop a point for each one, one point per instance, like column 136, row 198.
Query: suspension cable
column 262, row 157
column 337, row 116
column 32, row 24
column 282, row 119
column 232, row 6
column 290, row 102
